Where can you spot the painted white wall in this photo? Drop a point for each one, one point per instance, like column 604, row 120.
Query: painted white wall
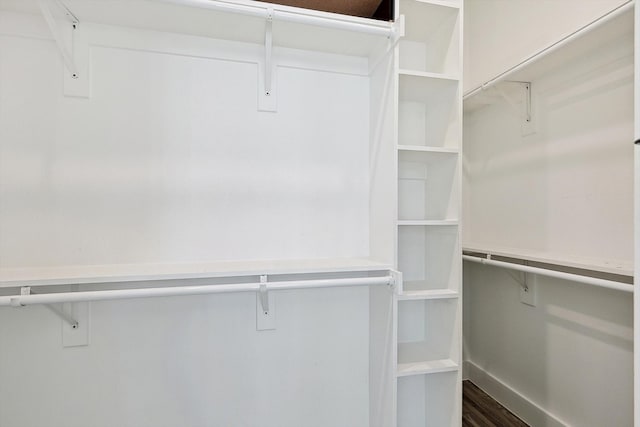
column 169, row 161
column 566, row 190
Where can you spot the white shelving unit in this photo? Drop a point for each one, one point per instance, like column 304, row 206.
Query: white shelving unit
column 213, row 190
column 428, row 374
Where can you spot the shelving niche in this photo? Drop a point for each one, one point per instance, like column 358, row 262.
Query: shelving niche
column 428, row 110
column 432, row 41
column 427, row 184
column 428, row 256
column 428, row 400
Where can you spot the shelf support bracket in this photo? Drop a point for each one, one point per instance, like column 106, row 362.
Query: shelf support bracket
column 45, row 8
column 524, row 110
column 26, row 290
column 264, row 296
column 266, row 97
column 265, row 309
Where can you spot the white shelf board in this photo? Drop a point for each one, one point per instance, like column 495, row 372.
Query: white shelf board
column 183, row 17
column 589, row 40
column 429, row 367
column 428, row 222
column 121, row 273
column 428, row 294
column 621, row 267
column 446, row 3
column 427, row 149
column 428, row 75
column 420, row 89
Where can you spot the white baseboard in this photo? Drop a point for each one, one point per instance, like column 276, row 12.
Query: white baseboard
column 529, row 411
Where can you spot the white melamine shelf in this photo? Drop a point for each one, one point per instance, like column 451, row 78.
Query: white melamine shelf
column 428, row 222
column 425, row 295
column 147, row 272
column 445, row 3
column 422, row 368
column 610, row 28
column 196, row 17
column 421, row 149
column 426, row 75
column 620, row 267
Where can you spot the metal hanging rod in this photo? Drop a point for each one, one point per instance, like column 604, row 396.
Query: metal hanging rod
column 382, row 29
column 81, row 296
column 620, row 10
column 609, row 284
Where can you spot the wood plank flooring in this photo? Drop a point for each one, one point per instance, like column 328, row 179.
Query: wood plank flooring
column 480, row 410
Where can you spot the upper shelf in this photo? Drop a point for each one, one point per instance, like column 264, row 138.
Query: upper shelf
column 612, row 26
column 238, row 20
column 618, row 267
column 123, row 273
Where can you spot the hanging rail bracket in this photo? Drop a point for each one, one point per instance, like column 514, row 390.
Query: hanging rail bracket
column 47, row 13
column 26, row 290
column 265, row 309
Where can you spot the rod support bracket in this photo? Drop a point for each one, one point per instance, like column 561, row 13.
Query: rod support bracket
column 47, row 13
column 264, row 295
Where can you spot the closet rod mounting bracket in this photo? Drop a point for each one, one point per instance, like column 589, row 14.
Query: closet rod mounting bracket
column 26, row 290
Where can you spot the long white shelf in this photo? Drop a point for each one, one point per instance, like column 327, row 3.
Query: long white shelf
column 427, row 149
column 429, row 367
column 428, row 222
column 121, row 273
column 620, row 267
column 428, row 294
column 428, row 75
column 239, row 20
column 609, row 27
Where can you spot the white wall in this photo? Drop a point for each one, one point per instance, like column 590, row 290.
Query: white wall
column 170, row 161
column 565, row 190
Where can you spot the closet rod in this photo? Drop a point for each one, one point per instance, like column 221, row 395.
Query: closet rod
column 382, row 29
column 609, row 284
column 81, row 296
column 620, row 10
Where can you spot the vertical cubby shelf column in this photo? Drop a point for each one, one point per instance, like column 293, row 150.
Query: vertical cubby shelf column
column 428, row 307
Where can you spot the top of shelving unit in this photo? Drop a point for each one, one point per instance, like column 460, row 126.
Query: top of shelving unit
column 123, row 273
column 237, row 20
column 608, row 28
column 619, row 267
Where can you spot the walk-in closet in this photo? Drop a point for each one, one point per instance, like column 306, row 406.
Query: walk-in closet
column 300, row 213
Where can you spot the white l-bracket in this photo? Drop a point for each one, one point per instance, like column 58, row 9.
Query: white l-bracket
column 266, row 95
column 525, row 112
column 265, row 309
column 45, row 8
column 26, row 290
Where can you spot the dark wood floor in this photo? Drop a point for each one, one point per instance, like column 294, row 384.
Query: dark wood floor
column 480, row 410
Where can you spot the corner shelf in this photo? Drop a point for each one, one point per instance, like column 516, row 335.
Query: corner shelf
column 431, row 367
column 425, row 295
